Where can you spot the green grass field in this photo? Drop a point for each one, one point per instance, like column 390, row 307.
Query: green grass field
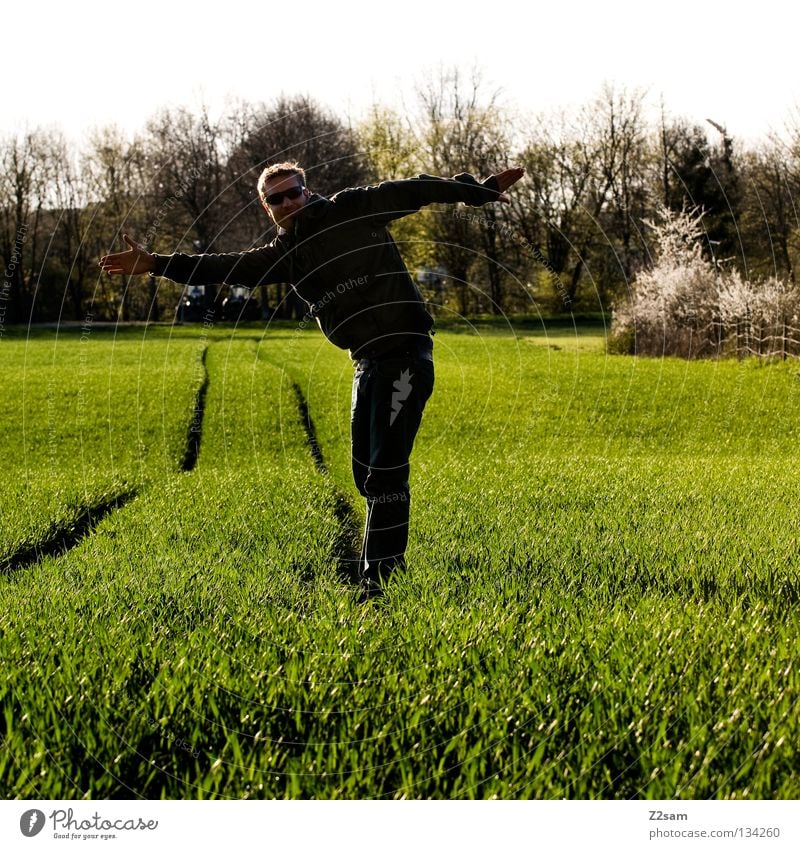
column 601, row 599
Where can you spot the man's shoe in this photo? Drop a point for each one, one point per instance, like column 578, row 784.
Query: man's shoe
column 370, row 590
column 376, row 576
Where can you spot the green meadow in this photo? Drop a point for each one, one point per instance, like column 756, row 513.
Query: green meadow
column 600, row 603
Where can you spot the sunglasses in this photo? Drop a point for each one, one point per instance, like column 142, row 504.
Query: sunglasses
column 277, row 198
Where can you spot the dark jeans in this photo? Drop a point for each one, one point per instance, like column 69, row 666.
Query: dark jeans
column 389, row 395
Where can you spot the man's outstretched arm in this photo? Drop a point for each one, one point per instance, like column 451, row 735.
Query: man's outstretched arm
column 248, row 268
column 394, row 199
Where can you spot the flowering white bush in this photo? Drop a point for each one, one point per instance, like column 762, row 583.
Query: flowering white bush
column 684, row 306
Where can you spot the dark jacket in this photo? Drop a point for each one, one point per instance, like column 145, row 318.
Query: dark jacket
column 342, row 261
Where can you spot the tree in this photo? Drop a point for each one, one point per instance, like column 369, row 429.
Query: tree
column 549, row 206
column 113, row 168
column 672, row 306
column 585, row 192
column 186, row 158
column 460, row 128
column 697, row 173
column 615, row 136
column 390, row 152
column 24, row 184
column 75, row 245
column 768, row 217
column 186, row 161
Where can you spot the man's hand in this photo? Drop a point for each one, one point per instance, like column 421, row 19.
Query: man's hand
column 134, row 261
column 507, row 178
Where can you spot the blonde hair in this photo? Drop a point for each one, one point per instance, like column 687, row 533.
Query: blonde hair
column 280, row 169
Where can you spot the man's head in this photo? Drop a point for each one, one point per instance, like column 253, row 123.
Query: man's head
column 283, row 192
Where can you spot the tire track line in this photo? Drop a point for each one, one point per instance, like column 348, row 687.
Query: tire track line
column 347, row 542
column 66, row 536
column 195, row 432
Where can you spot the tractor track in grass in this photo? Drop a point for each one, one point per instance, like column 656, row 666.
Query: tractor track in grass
column 346, row 542
column 66, row 536
column 195, row 432
column 311, row 431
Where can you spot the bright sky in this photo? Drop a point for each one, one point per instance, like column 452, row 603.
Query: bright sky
column 84, row 63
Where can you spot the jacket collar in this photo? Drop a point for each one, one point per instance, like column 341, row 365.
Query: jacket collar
column 312, row 211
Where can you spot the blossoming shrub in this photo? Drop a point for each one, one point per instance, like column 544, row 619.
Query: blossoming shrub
column 685, row 306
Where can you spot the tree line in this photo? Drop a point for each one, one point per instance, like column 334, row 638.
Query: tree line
column 573, row 238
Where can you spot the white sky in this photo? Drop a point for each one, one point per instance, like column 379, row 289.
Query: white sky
column 77, row 64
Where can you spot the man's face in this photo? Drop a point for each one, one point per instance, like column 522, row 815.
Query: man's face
column 283, row 212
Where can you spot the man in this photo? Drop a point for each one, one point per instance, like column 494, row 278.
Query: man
column 338, row 255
